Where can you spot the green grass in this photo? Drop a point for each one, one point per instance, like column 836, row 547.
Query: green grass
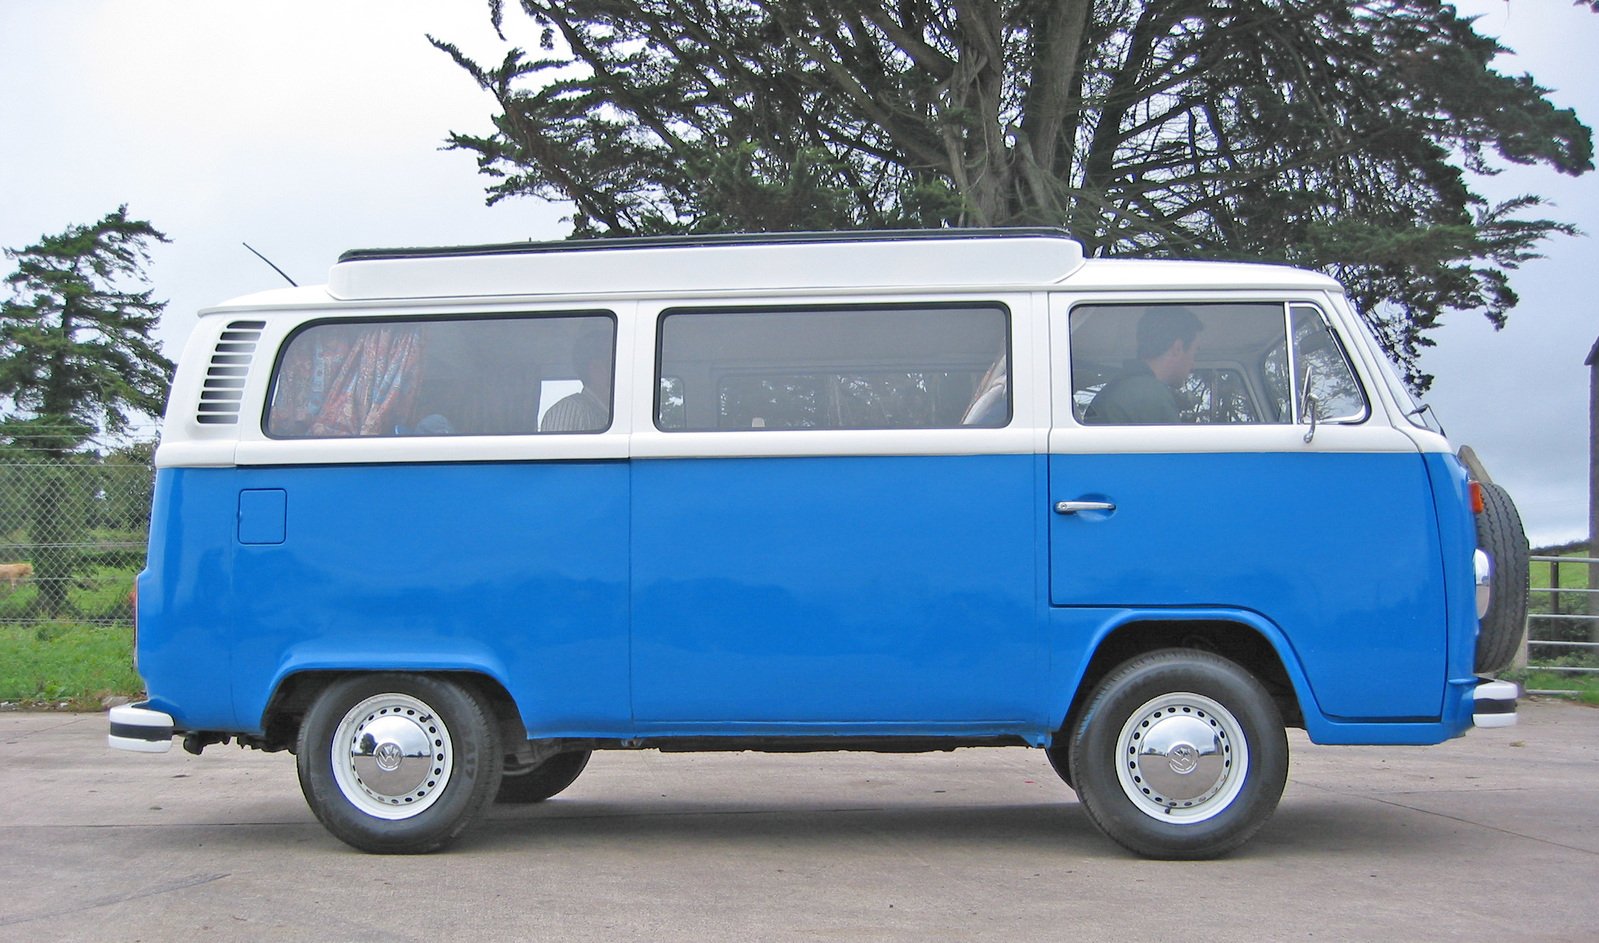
column 1584, row 688
column 64, row 662
column 1572, row 576
column 96, row 593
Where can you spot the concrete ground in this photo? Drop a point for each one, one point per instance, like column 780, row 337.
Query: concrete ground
column 1494, row 836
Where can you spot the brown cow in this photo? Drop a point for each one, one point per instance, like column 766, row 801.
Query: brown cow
column 14, row 573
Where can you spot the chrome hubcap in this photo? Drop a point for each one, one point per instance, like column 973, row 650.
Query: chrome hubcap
column 1182, row 758
column 392, row 757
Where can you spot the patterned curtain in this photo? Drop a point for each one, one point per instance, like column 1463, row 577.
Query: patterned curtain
column 347, row 380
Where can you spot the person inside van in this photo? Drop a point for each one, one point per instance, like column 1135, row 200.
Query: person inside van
column 1145, row 393
column 990, row 405
column 589, row 409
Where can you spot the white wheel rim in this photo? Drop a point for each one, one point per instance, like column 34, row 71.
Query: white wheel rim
column 1181, row 758
column 392, row 756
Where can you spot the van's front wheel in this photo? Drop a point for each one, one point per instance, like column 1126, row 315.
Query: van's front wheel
column 398, row 764
column 1180, row 754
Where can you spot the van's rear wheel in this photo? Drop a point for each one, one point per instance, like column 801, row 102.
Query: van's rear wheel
column 398, row 764
column 1179, row 754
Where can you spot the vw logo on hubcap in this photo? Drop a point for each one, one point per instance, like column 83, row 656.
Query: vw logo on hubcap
column 1184, row 759
column 389, row 756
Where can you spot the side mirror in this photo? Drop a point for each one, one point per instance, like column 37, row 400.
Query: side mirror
column 1308, row 406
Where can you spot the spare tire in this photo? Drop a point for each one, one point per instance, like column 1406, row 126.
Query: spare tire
column 1500, row 535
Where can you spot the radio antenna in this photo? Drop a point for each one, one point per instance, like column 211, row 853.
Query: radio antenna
column 269, row 262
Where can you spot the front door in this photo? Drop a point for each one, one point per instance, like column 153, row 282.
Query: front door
column 1333, row 539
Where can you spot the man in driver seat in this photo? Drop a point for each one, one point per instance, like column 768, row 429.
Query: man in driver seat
column 1145, row 393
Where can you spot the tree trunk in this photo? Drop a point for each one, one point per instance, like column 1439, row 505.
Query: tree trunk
column 53, row 534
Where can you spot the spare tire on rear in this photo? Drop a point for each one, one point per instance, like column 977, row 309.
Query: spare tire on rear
column 1500, row 535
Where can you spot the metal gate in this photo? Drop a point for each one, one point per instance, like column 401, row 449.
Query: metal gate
column 1563, row 619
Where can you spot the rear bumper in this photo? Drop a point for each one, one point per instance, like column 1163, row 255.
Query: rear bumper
column 1494, row 704
column 139, row 729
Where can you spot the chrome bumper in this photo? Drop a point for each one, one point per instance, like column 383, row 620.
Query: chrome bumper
column 1494, row 704
column 139, row 729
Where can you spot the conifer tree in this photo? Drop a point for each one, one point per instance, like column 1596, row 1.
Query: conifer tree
column 76, row 358
column 1328, row 133
column 76, row 352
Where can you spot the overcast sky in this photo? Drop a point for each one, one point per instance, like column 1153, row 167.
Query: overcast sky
column 307, row 127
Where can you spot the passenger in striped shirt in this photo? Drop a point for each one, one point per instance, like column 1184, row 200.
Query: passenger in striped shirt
column 589, row 409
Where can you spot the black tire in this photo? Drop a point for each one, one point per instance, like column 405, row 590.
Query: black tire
column 1500, row 535
column 1060, row 758
column 396, row 763
column 540, row 781
column 1217, row 738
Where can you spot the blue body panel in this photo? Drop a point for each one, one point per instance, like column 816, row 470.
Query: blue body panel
column 815, row 597
column 515, row 570
column 1457, row 535
column 186, row 623
column 867, row 595
column 1339, row 551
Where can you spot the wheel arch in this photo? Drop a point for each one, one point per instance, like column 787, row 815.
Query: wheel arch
column 1244, row 639
column 286, row 708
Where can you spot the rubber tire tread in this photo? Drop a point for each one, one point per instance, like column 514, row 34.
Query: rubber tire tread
column 1060, row 759
column 476, row 773
column 1094, row 753
column 1500, row 534
column 548, row 779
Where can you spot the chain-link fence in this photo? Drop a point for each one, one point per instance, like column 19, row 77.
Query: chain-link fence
column 72, row 535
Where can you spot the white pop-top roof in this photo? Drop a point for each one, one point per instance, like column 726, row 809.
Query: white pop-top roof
column 912, row 260
column 922, row 258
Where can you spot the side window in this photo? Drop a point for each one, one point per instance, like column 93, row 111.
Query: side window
column 1177, row 364
column 864, row 368
column 445, row 376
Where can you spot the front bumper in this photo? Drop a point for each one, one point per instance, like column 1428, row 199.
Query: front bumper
column 137, row 728
column 1494, row 704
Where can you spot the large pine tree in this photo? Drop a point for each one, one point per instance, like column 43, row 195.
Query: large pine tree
column 76, row 352
column 76, row 358
column 1328, row 133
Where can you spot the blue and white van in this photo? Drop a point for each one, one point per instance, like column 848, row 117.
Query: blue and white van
column 451, row 522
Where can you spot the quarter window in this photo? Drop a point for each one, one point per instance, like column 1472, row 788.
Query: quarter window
column 1322, row 370
column 865, row 368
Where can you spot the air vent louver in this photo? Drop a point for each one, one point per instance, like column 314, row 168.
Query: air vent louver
column 223, row 389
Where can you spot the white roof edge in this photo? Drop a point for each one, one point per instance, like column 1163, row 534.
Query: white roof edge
column 913, row 259
column 979, row 260
column 302, row 296
column 1178, row 274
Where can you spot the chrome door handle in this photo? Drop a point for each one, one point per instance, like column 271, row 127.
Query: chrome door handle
column 1072, row 507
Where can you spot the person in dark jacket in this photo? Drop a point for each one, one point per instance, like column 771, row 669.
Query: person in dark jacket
column 1146, row 392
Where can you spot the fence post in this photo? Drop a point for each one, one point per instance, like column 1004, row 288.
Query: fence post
column 1593, row 486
